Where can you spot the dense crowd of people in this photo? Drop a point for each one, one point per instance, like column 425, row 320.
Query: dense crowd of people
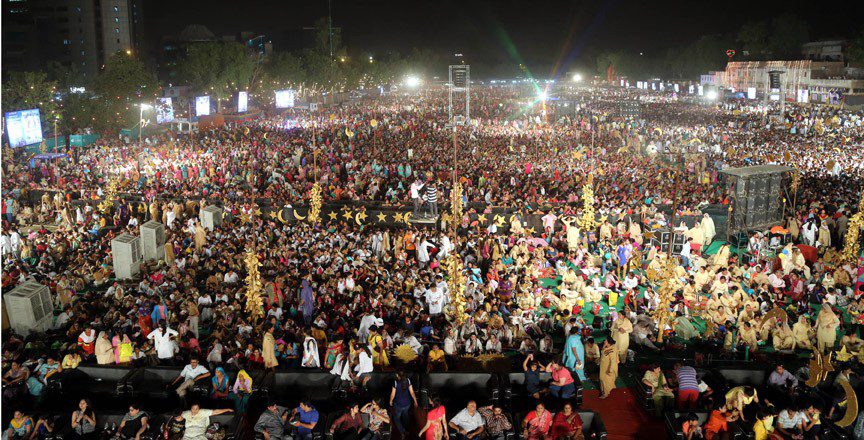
column 343, row 298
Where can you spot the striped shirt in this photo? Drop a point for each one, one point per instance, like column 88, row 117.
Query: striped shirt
column 687, row 379
column 431, row 193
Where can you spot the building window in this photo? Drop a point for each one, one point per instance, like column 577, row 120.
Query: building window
column 116, row 20
column 116, row 30
column 116, row 9
column 78, row 9
column 65, row 42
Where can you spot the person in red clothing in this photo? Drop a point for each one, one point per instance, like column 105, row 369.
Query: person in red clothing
column 87, row 341
column 567, row 424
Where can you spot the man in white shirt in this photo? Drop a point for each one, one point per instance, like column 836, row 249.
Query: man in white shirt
column 162, row 342
column 685, row 253
column 435, row 300
column 416, row 186
column 468, row 423
column 231, row 277
column 190, row 374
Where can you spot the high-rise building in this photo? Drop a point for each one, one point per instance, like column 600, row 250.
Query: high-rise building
column 83, row 33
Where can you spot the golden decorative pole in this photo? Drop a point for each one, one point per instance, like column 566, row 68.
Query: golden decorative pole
column 852, row 243
column 110, row 194
column 456, row 207
column 588, row 220
column 314, row 204
column 456, row 283
column 254, row 303
column 668, row 285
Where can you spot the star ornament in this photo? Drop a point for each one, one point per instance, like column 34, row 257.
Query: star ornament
column 398, row 217
column 843, row 355
column 382, row 217
column 481, row 218
column 332, row 215
column 347, row 214
column 499, row 220
column 362, row 216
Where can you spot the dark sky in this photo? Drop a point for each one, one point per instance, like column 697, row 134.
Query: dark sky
column 538, row 32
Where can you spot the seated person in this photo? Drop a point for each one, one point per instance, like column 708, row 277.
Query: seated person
column 690, row 427
column 782, row 380
column 468, row 423
column 495, row 421
column 537, row 423
column 378, row 417
column 532, row 377
column 655, row 381
column 191, row 373
column 304, row 418
column 562, row 385
column 134, row 424
column 797, row 420
column 567, row 424
column 271, row 423
column 348, row 425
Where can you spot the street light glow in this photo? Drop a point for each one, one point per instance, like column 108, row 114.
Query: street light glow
column 711, row 95
column 577, row 77
column 412, row 81
column 543, row 95
column 145, row 106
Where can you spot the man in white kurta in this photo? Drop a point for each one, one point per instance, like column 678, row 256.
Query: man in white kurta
column 162, row 341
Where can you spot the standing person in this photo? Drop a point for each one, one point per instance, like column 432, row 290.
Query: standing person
column 162, row 343
column 401, row 397
column 194, row 315
column 268, row 349
column 197, row 421
column 608, row 368
column 621, row 330
column 574, row 354
column 307, row 301
column 416, row 188
column 436, row 422
column 432, row 198
column 826, row 328
column 688, row 387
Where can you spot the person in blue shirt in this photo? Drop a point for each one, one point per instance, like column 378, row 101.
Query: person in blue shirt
column 304, row 418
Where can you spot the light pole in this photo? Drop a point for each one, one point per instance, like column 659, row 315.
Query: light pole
column 141, row 119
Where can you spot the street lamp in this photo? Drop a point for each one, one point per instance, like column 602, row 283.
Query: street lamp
column 143, row 106
column 412, row 81
column 577, row 77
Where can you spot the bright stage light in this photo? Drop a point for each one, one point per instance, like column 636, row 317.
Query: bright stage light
column 577, row 77
column 412, row 81
column 542, row 96
column 711, row 95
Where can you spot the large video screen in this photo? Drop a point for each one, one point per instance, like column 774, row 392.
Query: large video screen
column 202, row 105
column 284, row 98
column 23, row 127
column 164, row 110
column 242, row 102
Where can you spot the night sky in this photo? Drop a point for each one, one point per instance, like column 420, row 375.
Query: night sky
column 538, row 32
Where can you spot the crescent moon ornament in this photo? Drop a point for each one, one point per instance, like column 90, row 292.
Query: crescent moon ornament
column 407, row 217
column 357, row 219
column 279, row 216
column 298, row 216
column 851, row 406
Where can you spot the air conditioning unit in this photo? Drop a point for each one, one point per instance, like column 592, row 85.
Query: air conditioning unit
column 126, row 253
column 29, row 307
column 153, row 240
column 211, row 217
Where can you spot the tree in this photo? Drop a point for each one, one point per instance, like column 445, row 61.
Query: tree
column 856, row 50
column 26, row 90
column 753, row 38
column 788, row 33
column 219, row 68
column 124, row 83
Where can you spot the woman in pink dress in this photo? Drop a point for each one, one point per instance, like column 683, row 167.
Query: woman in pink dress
column 537, row 423
column 436, row 422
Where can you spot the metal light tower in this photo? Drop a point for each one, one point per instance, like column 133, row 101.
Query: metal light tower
column 460, row 87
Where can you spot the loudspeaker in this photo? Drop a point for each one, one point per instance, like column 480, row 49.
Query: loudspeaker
column 664, row 238
column 755, row 193
column 774, row 79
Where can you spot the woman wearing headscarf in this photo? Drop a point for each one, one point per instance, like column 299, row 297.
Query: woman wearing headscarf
column 826, row 328
column 221, row 385
column 608, row 368
column 307, row 301
column 104, row 350
column 241, row 391
column 122, row 348
column 310, row 353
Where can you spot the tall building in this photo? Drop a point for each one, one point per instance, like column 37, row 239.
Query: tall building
column 83, row 33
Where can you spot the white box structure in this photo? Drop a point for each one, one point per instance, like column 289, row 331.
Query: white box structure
column 126, row 253
column 29, row 307
column 153, row 240
column 211, row 217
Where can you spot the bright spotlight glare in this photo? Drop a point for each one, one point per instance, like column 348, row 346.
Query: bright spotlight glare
column 542, row 95
column 577, row 77
column 412, row 81
column 711, row 95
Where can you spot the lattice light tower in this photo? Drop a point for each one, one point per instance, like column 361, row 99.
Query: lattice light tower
column 460, row 88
